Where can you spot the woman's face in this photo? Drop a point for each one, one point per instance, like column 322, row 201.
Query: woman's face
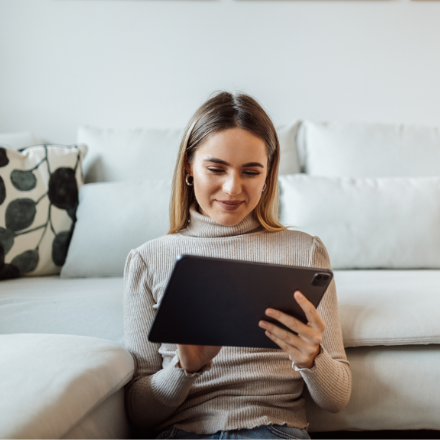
column 229, row 166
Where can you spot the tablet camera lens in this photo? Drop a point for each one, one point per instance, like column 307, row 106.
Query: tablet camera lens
column 320, row 279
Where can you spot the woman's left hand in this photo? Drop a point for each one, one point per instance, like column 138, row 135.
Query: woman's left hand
column 304, row 347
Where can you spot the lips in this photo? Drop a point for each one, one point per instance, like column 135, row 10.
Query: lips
column 230, row 202
column 229, row 205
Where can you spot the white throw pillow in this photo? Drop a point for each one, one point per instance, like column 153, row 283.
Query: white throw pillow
column 126, row 154
column 369, row 150
column 112, row 219
column 18, row 140
column 367, row 223
column 144, row 153
column 38, row 201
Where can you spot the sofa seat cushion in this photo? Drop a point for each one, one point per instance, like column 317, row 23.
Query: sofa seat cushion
column 82, row 306
column 376, row 307
column 393, row 388
column 388, row 307
column 50, row 382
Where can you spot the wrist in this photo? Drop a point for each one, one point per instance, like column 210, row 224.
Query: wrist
column 190, row 370
column 311, row 364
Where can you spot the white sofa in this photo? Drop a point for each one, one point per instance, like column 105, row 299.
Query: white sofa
column 368, row 190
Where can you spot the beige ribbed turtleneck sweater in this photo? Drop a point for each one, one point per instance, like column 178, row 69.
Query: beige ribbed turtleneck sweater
column 242, row 387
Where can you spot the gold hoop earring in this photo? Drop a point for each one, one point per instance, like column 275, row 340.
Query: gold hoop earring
column 265, row 186
column 186, row 180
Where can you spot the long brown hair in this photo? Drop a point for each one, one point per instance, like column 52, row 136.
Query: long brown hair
column 221, row 112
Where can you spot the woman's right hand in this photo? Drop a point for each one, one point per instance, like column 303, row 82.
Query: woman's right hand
column 194, row 357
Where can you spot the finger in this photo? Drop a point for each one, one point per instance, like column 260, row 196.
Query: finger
column 285, row 335
column 289, row 321
column 295, row 355
column 312, row 315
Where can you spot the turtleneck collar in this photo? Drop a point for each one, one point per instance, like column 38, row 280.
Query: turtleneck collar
column 203, row 226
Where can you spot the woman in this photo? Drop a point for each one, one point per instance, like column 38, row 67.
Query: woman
column 225, row 204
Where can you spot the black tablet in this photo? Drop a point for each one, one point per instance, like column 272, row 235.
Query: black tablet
column 217, row 301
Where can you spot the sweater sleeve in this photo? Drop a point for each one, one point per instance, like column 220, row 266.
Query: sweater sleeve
column 154, row 393
column 329, row 381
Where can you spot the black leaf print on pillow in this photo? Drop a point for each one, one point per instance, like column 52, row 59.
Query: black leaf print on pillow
column 3, row 157
column 26, row 180
column 60, row 245
column 27, row 261
column 2, row 190
column 20, row 214
column 6, row 270
column 6, row 239
column 23, row 180
column 63, row 189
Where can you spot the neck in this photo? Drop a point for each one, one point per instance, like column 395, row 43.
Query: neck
column 201, row 225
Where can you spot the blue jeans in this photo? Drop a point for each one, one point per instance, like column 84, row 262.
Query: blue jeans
column 260, row 432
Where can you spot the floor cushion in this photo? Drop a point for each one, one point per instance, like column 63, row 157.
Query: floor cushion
column 51, row 382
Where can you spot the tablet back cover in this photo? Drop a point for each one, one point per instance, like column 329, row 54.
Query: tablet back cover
column 216, row 301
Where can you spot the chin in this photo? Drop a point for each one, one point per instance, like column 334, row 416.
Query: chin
column 224, row 217
column 228, row 219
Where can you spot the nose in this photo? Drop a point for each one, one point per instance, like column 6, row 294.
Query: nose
column 232, row 185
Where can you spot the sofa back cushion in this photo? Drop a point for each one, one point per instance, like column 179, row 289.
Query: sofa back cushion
column 369, row 150
column 126, row 154
column 144, row 153
column 112, row 219
column 366, row 223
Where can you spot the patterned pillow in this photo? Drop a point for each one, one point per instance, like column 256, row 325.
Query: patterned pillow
column 38, row 200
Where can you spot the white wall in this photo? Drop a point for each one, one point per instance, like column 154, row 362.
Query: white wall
column 128, row 63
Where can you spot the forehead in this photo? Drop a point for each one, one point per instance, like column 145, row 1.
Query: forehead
column 233, row 145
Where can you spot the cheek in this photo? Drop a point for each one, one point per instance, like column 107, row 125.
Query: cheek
column 255, row 193
column 206, row 182
column 205, row 185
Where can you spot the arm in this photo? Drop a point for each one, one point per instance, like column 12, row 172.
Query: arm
column 329, row 380
column 154, row 393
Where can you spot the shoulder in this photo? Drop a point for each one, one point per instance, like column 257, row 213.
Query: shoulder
column 142, row 261
column 297, row 236
column 157, row 243
column 309, row 248
column 157, row 247
column 298, row 239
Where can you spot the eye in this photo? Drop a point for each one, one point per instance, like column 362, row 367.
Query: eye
column 248, row 173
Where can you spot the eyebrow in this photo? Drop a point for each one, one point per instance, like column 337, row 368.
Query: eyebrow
column 220, row 161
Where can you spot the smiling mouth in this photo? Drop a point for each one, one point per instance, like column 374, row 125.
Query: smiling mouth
column 229, row 205
column 230, row 202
